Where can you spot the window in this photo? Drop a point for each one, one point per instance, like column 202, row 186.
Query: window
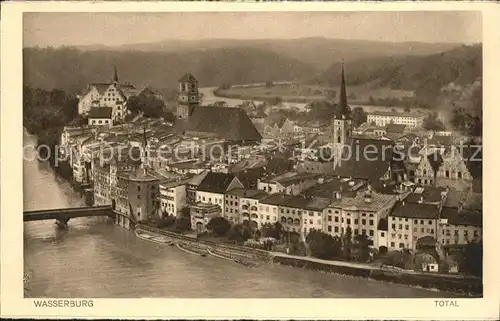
column 329, row 228
column 430, row 222
column 329, row 218
column 406, row 227
column 447, row 173
column 370, row 232
column 348, row 221
column 382, row 234
column 415, row 221
column 363, row 221
column 393, row 226
column 421, row 221
column 401, row 245
column 392, row 244
column 371, row 222
column 400, row 226
column 456, row 232
column 336, row 219
column 399, row 236
column 466, row 233
column 459, row 175
column 363, row 232
column 335, row 229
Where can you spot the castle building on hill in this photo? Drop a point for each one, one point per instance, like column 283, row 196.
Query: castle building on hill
column 229, row 123
column 107, row 94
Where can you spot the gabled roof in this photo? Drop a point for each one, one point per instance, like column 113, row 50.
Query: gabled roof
column 435, row 160
column 197, row 179
column 428, row 194
column 216, row 182
column 415, row 210
column 100, row 112
column 188, row 77
column 101, row 87
column 227, row 122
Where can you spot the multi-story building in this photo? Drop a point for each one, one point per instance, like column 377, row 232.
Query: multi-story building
column 143, row 194
column 459, row 226
column 360, row 211
column 312, row 215
column 109, row 94
column 192, row 186
column 459, row 167
column 241, row 204
column 172, row 197
column 270, row 206
column 249, row 208
column 383, row 118
column 409, row 222
column 102, row 187
column 201, row 214
column 428, row 168
column 214, row 186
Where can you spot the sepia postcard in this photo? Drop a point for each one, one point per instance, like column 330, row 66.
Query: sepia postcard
column 249, row 160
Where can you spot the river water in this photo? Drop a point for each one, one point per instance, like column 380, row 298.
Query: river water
column 96, row 259
column 210, row 98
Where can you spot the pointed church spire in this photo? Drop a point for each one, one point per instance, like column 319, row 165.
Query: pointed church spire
column 343, row 92
column 115, row 75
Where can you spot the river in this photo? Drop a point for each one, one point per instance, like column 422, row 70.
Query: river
column 96, row 259
column 210, row 98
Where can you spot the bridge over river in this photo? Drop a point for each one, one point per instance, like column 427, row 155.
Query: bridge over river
column 63, row 215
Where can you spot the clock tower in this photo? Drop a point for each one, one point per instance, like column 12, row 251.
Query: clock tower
column 188, row 96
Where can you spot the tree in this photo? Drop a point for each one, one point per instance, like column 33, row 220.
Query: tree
column 269, row 84
column 347, row 243
column 278, row 228
column 432, row 122
column 407, row 109
column 239, row 233
column 352, row 96
column 358, row 116
column 323, row 246
column 268, row 230
column 219, row 226
column 361, row 247
column 331, row 94
column 473, row 258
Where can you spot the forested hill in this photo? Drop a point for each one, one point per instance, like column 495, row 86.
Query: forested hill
column 70, row 69
column 316, row 51
column 426, row 75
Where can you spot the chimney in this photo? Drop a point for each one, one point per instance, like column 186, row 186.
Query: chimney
column 321, row 180
column 338, row 195
column 421, row 200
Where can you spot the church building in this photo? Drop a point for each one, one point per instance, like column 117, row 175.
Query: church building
column 229, row 123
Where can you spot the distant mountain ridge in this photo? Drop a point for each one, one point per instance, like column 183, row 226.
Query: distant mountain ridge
column 317, row 51
column 71, row 69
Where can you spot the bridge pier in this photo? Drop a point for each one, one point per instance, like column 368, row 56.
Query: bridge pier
column 62, row 222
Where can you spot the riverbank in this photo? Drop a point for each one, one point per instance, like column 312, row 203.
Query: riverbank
column 466, row 286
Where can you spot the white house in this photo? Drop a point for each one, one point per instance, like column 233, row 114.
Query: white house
column 172, row 197
column 101, row 116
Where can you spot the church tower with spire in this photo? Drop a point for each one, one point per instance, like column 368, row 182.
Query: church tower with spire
column 342, row 122
column 115, row 76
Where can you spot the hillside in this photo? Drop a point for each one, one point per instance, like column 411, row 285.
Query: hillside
column 70, row 69
column 426, row 75
column 318, row 52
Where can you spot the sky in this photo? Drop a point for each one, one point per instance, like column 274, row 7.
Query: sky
column 57, row 29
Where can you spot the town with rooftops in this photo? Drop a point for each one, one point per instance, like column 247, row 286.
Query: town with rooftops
column 258, row 162
column 225, row 170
